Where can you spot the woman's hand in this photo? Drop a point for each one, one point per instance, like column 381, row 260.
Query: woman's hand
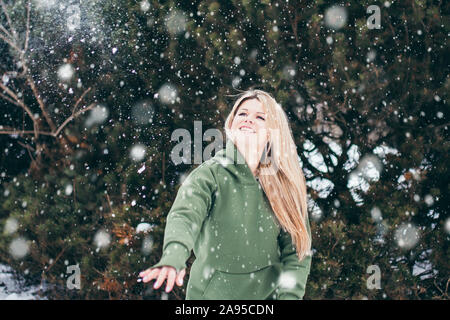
column 160, row 274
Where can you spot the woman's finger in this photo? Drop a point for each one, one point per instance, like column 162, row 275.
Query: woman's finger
column 152, row 274
column 180, row 277
column 171, row 279
column 161, row 278
column 146, row 272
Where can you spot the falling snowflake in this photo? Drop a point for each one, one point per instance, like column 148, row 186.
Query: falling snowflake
column 176, row 22
column 141, row 169
column 167, row 94
column 144, row 227
column 287, row 280
column 145, row 5
column 18, row 248
column 137, row 152
column 65, row 72
column 407, row 236
column 102, row 239
column 68, row 190
column 376, row 214
column 429, row 200
column 147, row 245
column 11, row 226
column 447, row 225
column 142, row 112
column 335, row 17
column 97, row 115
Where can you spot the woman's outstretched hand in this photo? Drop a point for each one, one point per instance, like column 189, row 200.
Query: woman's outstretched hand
column 160, row 274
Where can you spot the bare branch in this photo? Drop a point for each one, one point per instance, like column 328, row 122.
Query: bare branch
column 29, row 149
column 10, row 42
column 80, row 99
column 73, row 116
column 27, row 36
column 27, row 146
column 8, row 19
column 2, row 28
column 18, row 101
column 9, row 100
column 23, row 132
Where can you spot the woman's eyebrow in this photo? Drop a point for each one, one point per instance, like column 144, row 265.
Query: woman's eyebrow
column 257, row 112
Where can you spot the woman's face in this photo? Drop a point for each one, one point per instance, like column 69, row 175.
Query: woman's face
column 249, row 127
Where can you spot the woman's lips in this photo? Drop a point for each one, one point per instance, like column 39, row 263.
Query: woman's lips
column 247, row 129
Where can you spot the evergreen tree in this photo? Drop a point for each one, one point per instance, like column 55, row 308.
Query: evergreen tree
column 367, row 106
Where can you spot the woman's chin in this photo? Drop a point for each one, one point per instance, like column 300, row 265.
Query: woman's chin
column 245, row 135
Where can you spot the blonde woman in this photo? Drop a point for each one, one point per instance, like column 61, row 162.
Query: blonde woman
column 243, row 213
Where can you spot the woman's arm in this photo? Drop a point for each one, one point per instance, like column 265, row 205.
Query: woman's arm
column 292, row 269
column 185, row 218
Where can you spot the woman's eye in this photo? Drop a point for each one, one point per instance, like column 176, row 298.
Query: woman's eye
column 243, row 113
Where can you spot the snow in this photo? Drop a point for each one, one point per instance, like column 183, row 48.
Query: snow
column 147, row 245
column 68, row 190
column 335, row 17
column 102, row 239
column 287, row 280
column 11, row 225
column 137, row 152
column 176, row 22
column 429, row 200
column 141, row 169
column 142, row 112
column 65, row 72
column 12, row 289
column 18, row 248
column 407, row 236
column 144, row 227
column 375, row 212
column 168, row 94
column 145, row 5
column 97, row 115
column 447, row 225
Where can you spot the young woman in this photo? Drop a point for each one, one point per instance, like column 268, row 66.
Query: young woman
column 243, row 212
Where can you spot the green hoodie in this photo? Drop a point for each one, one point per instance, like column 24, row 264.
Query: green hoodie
column 242, row 253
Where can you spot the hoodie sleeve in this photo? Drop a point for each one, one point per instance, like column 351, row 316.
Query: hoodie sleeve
column 185, row 218
column 292, row 269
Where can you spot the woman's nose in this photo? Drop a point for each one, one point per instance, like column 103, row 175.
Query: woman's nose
column 248, row 119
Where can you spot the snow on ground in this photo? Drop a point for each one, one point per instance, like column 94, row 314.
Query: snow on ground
column 12, row 289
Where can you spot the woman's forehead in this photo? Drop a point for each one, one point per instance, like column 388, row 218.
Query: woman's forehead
column 252, row 105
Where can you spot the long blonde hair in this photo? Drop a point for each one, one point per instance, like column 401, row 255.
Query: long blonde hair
column 279, row 170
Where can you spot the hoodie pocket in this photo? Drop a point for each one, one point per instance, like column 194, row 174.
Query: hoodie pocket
column 256, row 285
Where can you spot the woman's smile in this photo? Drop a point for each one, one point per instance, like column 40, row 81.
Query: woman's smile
column 247, row 129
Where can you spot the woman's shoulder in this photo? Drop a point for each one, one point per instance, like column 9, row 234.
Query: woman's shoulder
column 210, row 168
column 213, row 164
column 205, row 170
